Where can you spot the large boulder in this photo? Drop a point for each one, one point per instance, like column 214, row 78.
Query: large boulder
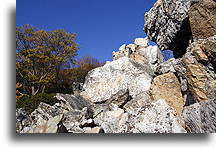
column 200, row 117
column 141, row 51
column 156, row 117
column 195, row 70
column 71, row 102
column 113, row 120
column 178, row 67
column 167, row 24
column 167, row 87
column 202, row 19
column 200, row 73
column 44, row 119
column 73, row 120
column 122, row 74
column 22, row 120
column 44, row 126
column 153, row 117
column 174, row 24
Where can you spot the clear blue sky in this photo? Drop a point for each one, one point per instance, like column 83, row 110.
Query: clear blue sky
column 102, row 25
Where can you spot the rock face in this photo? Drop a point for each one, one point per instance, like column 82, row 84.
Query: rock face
column 113, row 121
column 199, row 69
column 122, row 74
column 202, row 19
column 141, row 52
column 174, row 24
column 45, row 126
column 156, row 117
column 23, row 120
column 167, row 87
column 187, row 28
column 153, row 117
column 138, row 92
column 167, row 22
column 200, row 117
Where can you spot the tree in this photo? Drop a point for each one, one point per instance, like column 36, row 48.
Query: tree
column 68, row 78
column 18, row 93
column 84, row 65
column 41, row 54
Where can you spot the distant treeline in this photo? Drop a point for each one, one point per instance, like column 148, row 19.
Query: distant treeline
column 45, row 61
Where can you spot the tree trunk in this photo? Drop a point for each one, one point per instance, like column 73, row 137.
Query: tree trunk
column 43, row 89
column 33, row 90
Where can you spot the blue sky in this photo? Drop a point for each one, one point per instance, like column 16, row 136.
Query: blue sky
column 102, row 25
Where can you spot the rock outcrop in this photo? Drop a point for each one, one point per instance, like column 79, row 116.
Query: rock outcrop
column 156, row 117
column 167, row 87
column 44, row 119
column 174, row 24
column 141, row 52
column 195, row 50
column 202, row 19
column 122, row 74
column 167, row 24
column 138, row 92
column 199, row 69
column 200, row 117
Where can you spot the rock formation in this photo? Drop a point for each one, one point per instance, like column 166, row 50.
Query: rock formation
column 195, row 66
column 199, row 69
column 202, row 19
column 174, row 24
column 138, row 92
column 168, row 21
column 167, row 87
column 200, row 117
column 122, row 74
column 141, row 52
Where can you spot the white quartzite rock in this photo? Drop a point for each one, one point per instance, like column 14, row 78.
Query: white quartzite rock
column 141, row 42
column 164, row 20
column 140, row 52
column 156, row 117
column 122, row 74
column 113, row 121
column 200, row 117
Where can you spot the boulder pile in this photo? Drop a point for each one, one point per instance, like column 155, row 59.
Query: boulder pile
column 139, row 92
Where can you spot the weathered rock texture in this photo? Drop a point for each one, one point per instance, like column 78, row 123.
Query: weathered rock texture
column 138, row 92
column 202, row 19
column 44, row 119
column 23, row 120
column 122, row 74
column 113, row 121
column 174, row 24
column 200, row 117
column 156, row 117
column 167, row 87
column 167, row 24
column 141, row 52
column 153, row 117
column 199, row 69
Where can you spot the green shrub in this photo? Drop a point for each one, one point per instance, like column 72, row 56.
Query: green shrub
column 30, row 103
